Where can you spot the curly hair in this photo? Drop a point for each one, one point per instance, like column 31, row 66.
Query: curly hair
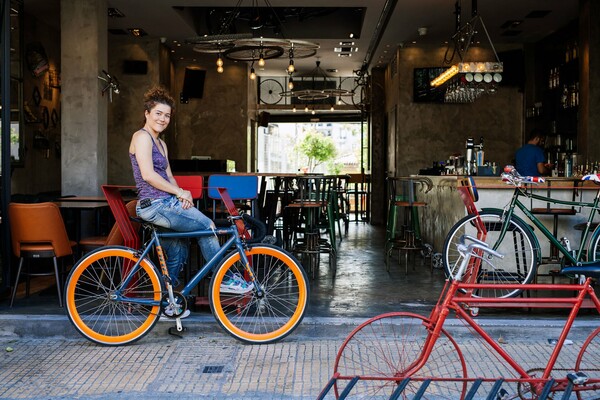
column 158, row 95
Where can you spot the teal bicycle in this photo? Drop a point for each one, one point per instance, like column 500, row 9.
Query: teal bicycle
column 509, row 234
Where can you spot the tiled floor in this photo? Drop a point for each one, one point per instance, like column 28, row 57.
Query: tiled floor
column 361, row 287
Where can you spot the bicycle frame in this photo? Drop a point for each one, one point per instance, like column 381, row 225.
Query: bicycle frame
column 154, row 242
column 516, row 203
column 453, row 298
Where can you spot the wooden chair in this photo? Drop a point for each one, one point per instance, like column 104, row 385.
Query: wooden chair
column 38, row 231
column 129, row 230
column 114, row 237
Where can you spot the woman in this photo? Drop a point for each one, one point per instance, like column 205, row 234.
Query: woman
column 161, row 201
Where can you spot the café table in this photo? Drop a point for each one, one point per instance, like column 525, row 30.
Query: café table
column 77, row 208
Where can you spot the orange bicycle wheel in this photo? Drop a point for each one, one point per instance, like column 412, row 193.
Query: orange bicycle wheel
column 264, row 317
column 93, row 307
column 382, row 349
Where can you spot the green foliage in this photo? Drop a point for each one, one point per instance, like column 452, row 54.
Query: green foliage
column 317, row 148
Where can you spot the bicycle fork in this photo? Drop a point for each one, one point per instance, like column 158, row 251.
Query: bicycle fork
column 165, row 273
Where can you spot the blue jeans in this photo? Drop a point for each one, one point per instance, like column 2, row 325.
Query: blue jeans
column 168, row 213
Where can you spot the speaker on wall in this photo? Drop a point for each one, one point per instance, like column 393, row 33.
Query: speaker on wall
column 193, row 84
column 263, row 119
column 135, row 67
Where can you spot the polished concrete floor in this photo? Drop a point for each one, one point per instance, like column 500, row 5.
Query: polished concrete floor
column 361, row 287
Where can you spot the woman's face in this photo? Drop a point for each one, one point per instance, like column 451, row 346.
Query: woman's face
column 158, row 117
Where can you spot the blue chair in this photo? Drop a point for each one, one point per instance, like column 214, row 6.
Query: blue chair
column 243, row 190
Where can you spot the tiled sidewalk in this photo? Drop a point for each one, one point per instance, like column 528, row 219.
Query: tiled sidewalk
column 205, row 365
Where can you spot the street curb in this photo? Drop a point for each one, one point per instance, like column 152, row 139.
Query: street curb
column 311, row 328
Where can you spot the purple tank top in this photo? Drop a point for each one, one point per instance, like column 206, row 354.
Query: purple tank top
column 160, row 163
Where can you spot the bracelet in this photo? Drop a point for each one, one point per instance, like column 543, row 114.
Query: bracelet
column 180, row 193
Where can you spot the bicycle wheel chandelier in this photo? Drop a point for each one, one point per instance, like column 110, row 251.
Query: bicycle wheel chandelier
column 315, row 86
column 257, row 45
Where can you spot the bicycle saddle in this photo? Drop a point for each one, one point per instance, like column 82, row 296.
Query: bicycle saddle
column 591, row 270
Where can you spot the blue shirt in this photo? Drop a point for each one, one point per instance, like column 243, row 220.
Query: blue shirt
column 527, row 159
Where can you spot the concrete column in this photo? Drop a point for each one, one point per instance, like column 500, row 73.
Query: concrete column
column 589, row 81
column 83, row 108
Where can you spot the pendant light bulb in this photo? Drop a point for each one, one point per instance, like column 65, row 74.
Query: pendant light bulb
column 219, row 61
column 220, row 69
column 252, row 74
column 339, row 101
column 261, row 61
column 290, row 84
column 306, row 109
column 291, row 68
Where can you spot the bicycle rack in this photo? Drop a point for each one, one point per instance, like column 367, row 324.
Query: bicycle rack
column 496, row 392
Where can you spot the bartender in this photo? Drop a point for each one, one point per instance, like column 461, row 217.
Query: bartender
column 530, row 159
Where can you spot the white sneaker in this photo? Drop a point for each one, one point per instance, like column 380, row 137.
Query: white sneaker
column 168, row 314
column 236, row 285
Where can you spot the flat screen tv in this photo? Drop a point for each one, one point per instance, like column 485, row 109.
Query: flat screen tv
column 423, row 92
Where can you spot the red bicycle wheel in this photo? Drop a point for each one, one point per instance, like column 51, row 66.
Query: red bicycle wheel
column 386, row 346
column 588, row 362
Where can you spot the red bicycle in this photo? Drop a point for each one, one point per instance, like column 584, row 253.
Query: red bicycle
column 380, row 354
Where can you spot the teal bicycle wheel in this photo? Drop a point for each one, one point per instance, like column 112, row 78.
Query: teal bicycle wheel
column 518, row 245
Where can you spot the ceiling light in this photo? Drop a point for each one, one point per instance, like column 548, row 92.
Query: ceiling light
column 252, row 73
column 137, row 32
column 477, row 78
column 261, row 60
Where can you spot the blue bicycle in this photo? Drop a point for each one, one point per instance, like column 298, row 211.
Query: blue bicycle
column 115, row 295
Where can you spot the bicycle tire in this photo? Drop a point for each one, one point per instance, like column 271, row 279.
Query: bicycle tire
column 270, row 91
column 519, row 264
column 594, row 248
column 588, row 361
column 386, row 346
column 273, row 315
column 88, row 297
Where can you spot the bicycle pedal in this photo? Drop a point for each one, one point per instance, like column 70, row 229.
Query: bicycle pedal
column 175, row 332
column 577, row 378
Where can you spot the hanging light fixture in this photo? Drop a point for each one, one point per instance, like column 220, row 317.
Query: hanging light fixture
column 290, row 83
column 266, row 39
column 290, row 67
column 219, row 64
column 252, row 73
column 468, row 80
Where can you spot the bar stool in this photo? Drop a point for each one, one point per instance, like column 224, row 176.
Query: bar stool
column 403, row 206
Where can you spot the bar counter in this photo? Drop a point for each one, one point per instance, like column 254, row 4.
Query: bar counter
column 445, row 208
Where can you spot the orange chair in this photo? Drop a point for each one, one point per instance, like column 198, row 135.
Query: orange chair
column 38, row 231
column 193, row 183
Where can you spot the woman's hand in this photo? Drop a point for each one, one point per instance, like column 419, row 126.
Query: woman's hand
column 186, row 199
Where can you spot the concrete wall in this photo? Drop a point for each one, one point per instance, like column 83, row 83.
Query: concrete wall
column 126, row 112
column 216, row 125
column 421, row 133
